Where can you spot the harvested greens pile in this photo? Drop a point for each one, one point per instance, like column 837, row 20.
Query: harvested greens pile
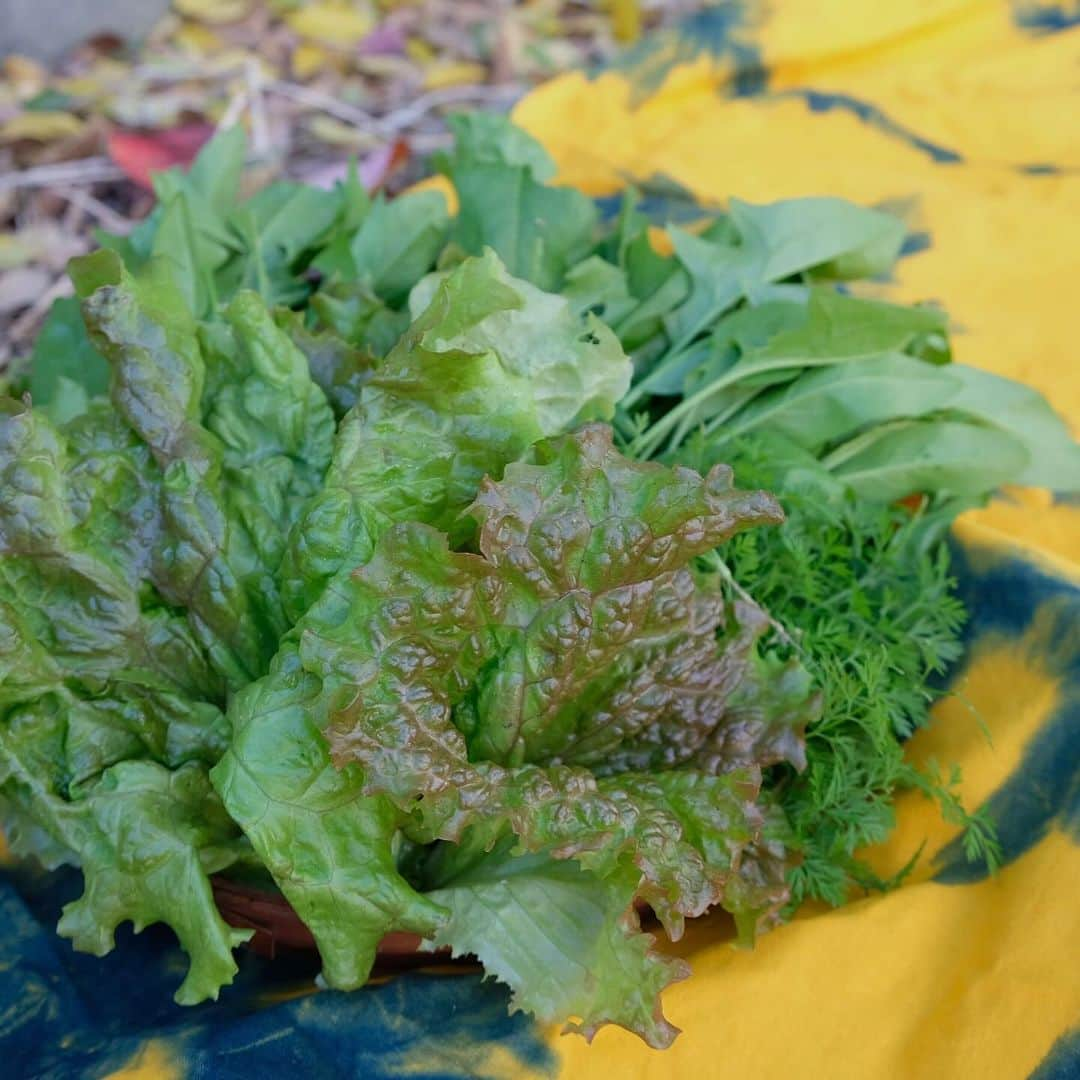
column 394, row 555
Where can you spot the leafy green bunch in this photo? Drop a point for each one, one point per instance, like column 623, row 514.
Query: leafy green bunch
column 408, row 664
column 319, row 563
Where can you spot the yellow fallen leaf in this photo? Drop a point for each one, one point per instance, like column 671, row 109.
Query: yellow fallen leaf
column 82, row 87
column 442, row 185
column 384, row 67
column 332, row 24
column 14, row 251
column 25, row 75
column 660, row 241
column 41, row 126
column 195, row 38
column 419, row 50
column 454, row 74
column 237, row 60
column 307, row 59
column 336, row 133
column 213, row 11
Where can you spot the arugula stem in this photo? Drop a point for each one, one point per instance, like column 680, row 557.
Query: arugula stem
column 649, row 440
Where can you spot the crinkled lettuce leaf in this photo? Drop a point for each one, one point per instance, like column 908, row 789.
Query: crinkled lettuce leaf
column 489, row 366
column 564, row 939
column 330, row 847
column 146, row 837
column 524, row 692
column 239, row 436
column 139, row 547
column 481, row 681
column 105, row 726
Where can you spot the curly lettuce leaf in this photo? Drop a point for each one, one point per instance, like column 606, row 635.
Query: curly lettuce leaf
column 107, row 714
column 340, row 369
column 203, row 561
column 485, row 138
column 329, row 846
column 138, row 550
column 275, row 425
column 239, row 438
column 582, row 580
column 490, row 366
column 70, row 598
column 469, row 685
column 146, row 837
column 566, row 941
column 397, row 651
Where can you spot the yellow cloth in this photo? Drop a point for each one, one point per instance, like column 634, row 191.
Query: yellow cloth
column 966, row 116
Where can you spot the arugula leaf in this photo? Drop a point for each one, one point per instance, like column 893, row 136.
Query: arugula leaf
column 835, row 236
column 774, row 242
column 941, row 455
column 1026, row 416
column 659, row 283
column 500, row 174
column 277, row 228
column 737, row 333
column 596, row 286
column 215, row 173
column 828, row 404
column 193, row 240
column 356, row 315
column 338, row 368
column 396, row 244
column 486, row 138
column 837, row 329
column 538, row 231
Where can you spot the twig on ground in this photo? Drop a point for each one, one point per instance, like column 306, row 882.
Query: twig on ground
column 98, row 210
column 89, row 170
column 260, row 127
column 234, row 110
column 316, row 99
column 399, row 119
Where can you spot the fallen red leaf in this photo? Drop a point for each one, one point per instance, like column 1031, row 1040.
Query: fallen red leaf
column 141, row 153
column 381, row 164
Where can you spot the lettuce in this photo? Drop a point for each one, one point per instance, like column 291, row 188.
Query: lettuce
column 571, row 688
column 196, row 574
column 347, row 583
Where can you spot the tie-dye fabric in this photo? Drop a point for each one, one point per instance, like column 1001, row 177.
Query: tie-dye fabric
column 965, row 117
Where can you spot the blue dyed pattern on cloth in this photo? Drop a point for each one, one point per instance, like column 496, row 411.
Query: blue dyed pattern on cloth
column 65, row 1015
